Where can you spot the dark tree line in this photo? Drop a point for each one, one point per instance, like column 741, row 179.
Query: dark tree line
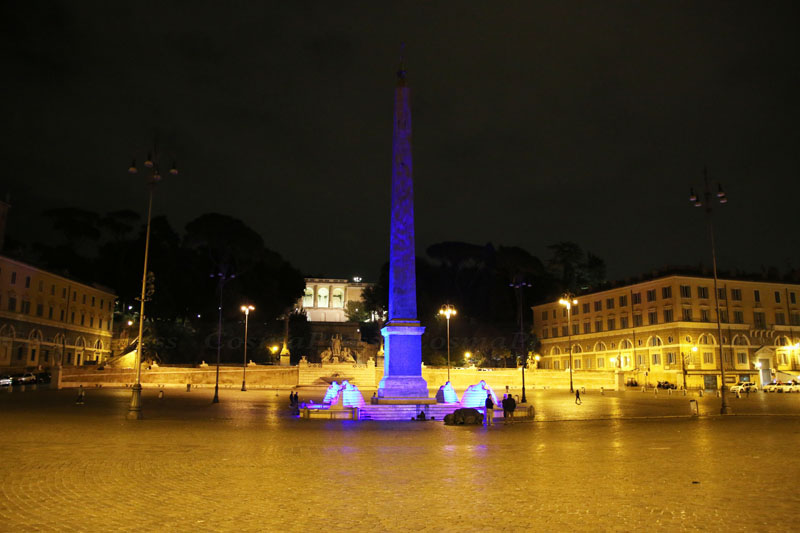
column 181, row 315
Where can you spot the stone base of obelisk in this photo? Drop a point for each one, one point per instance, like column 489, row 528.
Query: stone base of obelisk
column 402, row 378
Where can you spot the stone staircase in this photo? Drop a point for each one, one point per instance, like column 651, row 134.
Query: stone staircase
column 407, row 412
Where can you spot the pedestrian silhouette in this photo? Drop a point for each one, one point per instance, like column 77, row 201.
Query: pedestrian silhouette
column 578, row 400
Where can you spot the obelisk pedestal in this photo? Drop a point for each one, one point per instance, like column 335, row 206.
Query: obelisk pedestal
column 402, row 379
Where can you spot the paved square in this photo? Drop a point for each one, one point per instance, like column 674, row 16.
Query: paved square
column 246, row 465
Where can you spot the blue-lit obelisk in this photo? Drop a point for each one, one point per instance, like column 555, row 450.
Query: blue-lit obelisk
column 402, row 364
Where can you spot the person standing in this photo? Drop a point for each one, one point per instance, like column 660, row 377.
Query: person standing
column 512, row 404
column 504, row 403
column 578, row 400
column 489, row 411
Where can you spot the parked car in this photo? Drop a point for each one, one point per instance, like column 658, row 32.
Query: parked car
column 43, row 377
column 666, row 385
column 772, row 387
column 788, row 387
column 24, row 379
column 744, row 386
column 6, row 381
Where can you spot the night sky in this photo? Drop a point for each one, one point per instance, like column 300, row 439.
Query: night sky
column 533, row 122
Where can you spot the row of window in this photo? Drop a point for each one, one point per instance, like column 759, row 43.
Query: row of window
column 670, row 358
column 666, row 293
column 92, row 301
column 336, row 297
column 45, row 357
column 25, row 308
column 687, row 315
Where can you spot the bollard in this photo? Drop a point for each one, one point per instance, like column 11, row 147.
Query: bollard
column 700, row 392
column 188, row 387
column 644, row 389
column 583, row 390
column 717, row 393
column 602, row 391
column 81, row 394
column 693, row 409
column 738, row 394
column 684, row 392
column 655, row 391
column 161, row 395
column 669, row 391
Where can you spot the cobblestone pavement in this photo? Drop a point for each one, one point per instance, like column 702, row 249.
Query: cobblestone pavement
column 619, row 462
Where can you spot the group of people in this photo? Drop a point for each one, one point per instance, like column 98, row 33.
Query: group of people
column 508, row 404
column 294, row 401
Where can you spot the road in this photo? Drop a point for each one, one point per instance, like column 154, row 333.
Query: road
column 619, row 462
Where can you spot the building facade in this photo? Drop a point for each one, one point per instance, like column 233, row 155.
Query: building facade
column 47, row 319
column 666, row 329
column 326, row 299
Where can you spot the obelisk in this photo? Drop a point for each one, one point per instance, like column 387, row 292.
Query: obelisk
column 402, row 363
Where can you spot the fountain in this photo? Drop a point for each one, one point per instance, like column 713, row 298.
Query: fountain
column 475, row 395
column 447, row 394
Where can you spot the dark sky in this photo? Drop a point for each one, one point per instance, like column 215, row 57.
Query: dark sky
column 534, row 122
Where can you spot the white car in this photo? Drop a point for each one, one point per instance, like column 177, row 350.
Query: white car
column 744, row 386
column 6, row 381
column 772, row 387
column 789, row 387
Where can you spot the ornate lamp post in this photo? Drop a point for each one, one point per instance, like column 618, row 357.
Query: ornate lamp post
column 447, row 311
column 708, row 204
column 519, row 286
column 135, row 409
column 568, row 301
column 222, row 279
column 246, row 310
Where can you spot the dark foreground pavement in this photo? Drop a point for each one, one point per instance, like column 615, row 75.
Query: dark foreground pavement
column 620, row 462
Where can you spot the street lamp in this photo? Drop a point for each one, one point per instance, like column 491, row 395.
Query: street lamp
column 447, row 311
column 708, row 204
column 135, row 409
column 568, row 301
column 519, row 285
column 246, row 310
column 222, row 279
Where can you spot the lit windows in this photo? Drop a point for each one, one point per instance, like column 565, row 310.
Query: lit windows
column 686, row 291
column 736, row 294
column 757, row 295
column 687, row 314
column 705, row 315
column 636, row 298
column 623, row 300
column 651, row 295
column 738, row 317
column 652, row 317
column 666, row 292
column 609, row 303
column 598, row 305
column 702, row 292
column 667, row 315
column 759, row 320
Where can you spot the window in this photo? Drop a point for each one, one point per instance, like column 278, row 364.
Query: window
column 41, row 285
column 640, row 359
column 656, row 359
column 636, row 298
column 702, row 292
column 736, row 294
column 777, row 297
column 585, row 308
column 99, row 323
column 637, row 320
column 337, row 298
column 598, row 326
column 666, row 292
column 83, row 319
column 652, row 317
column 576, row 329
column 92, row 301
column 757, row 295
column 601, row 362
column 564, row 312
column 588, row 364
column 74, row 296
column 651, row 295
column 563, row 331
column 50, row 313
column 13, row 278
column 795, row 319
column 792, row 298
column 27, row 282
column 738, row 317
column 667, row 315
column 598, row 305
column 587, row 327
column 308, row 297
column 780, row 318
column 84, row 299
column 554, row 313
column 723, row 316
column 623, row 300
column 687, row 314
column 322, row 297
column 46, row 355
column 12, row 304
column 611, row 323
column 72, row 317
column 759, row 320
column 708, row 358
column 554, row 332
column 705, row 315
column 52, row 290
column 609, row 303
column 670, row 358
column 62, row 316
column 25, row 307
column 544, row 315
column 39, row 309
column 686, row 291
column 574, row 310
column 741, row 358
column 577, row 363
column 555, row 365
column 623, row 322
column 91, row 321
column 721, row 293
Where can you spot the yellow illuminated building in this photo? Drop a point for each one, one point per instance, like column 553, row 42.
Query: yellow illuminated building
column 666, row 329
column 47, row 319
column 326, row 299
